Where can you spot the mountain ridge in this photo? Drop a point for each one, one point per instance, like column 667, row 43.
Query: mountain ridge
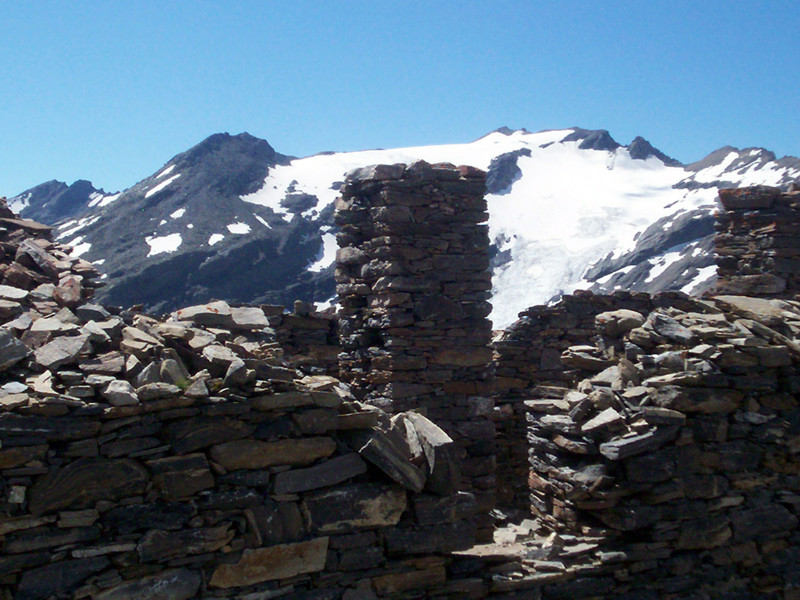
column 231, row 218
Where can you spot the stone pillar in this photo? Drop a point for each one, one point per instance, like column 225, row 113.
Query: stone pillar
column 413, row 282
column 758, row 242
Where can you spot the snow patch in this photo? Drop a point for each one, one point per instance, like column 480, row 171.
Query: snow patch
column 662, row 263
column 161, row 186
column 165, row 172
column 703, row 275
column 215, row 238
column 78, row 225
column 165, row 243
column 262, row 221
column 326, row 254
column 178, row 213
column 238, row 228
column 21, row 203
column 78, row 246
column 101, row 200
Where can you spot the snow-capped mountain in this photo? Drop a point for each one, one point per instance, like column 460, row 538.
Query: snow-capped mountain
column 231, row 218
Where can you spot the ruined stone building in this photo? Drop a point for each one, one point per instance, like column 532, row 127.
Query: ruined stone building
column 621, row 446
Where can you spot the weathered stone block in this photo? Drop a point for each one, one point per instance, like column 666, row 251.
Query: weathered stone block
column 330, row 472
column 82, row 483
column 255, row 454
column 356, row 505
column 271, row 563
column 162, row 546
column 174, row 584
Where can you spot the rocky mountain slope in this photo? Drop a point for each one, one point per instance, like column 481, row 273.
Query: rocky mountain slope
column 233, row 219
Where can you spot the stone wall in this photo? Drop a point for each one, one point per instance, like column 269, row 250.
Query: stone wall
column 308, row 339
column 413, row 282
column 528, row 364
column 758, row 242
column 145, row 458
column 680, row 454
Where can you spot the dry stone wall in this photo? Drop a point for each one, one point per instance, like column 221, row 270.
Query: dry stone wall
column 413, row 282
column 528, row 364
column 680, row 454
column 758, row 242
column 183, row 458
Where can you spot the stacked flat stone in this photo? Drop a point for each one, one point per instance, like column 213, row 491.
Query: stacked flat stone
column 413, row 282
column 679, row 454
column 527, row 360
column 758, row 242
column 309, row 338
column 182, row 458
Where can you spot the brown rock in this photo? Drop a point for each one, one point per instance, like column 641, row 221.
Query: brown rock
column 357, row 505
column 255, row 454
column 271, row 563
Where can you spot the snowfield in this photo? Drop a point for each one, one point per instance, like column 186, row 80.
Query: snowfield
column 567, row 208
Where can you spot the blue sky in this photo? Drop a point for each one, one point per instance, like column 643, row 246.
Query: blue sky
column 109, row 91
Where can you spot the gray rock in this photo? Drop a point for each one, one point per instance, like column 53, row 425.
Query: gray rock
column 11, row 350
column 92, row 312
column 441, row 455
column 120, row 393
column 328, row 473
column 58, row 579
column 61, row 351
column 618, row 322
column 172, row 370
column 175, row 584
column 157, row 391
column 8, row 292
column 96, row 333
column 388, row 450
column 632, row 445
column 248, row 317
column 213, row 314
column 670, row 329
column 53, row 325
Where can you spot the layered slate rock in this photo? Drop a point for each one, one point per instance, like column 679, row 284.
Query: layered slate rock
column 757, row 242
column 413, row 282
column 684, row 448
column 185, row 456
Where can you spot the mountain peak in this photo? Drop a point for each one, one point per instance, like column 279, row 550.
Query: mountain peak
column 641, row 149
column 592, row 139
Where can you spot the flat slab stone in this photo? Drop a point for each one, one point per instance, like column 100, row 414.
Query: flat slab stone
column 85, row 481
column 61, row 351
column 255, row 454
column 11, row 350
column 325, row 474
column 161, row 546
column 356, row 505
column 271, row 563
column 175, row 584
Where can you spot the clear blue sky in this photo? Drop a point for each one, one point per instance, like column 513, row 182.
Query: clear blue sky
column 109, row 91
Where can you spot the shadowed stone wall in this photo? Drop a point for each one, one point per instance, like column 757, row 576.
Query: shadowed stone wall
column 413, row 282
